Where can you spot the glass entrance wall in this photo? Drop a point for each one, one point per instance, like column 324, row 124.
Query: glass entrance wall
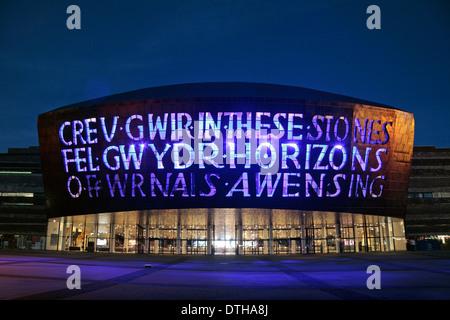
column 194, row 227
column 347, row 241
column 286, row 231
column 255, row 231
column 103, row 239
column 226, row 231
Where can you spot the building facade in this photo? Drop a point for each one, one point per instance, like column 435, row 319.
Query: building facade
column 23, row 215
column 226, row 168
column 428, row 216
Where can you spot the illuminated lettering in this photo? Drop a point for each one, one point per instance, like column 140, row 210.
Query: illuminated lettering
column 117, row 182
column 292, row 126
column 140, row 128
column 240, row 125
column 116, row 166
column 66, row 159
column 278, row 125
column 187, row 158
column 131, row 156
column 362, row 185
column 331, row 157
column 244, row 179
column 317, row 127
column 232, row 155
column 97, row 187
column 287, row 184
column 308, row 156
column 173, row 126
column 365, row 132
column 158, row 126
column 336, row 129
column 77, row 159
column 273, row 155
column 350, row 189
column 292, row 157
column 138, row 185
column 178, row 128
column 259, row 125
column 61, row 133
column 327, row 136
column 230, row 128
column 210, row 184
column 154, row 180
column 193, row 184
column 180, row 185
column 309, row 181
column 380, row 162
column 356, row 155
column 371, row 131
column 80, row 187
column 288, row 167
column 90, row 131
column 210, row 124
column 385, row 131
column 359, row 129
column 110, row 136
column 208, row 158
column 336, row 185
column 321, row 156
column 376, row 195
column 159, row 156
column 77, row 127
column 91, row 161
column 267, row 181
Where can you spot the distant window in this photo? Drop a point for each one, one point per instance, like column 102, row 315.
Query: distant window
column 16, row 194
column 418, row 195
column 441, row 195
column 410, row 195
column 15, row 172
column 428, row 195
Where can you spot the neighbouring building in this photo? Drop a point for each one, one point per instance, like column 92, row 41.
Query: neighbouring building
column 23, row 214
column 428, row 216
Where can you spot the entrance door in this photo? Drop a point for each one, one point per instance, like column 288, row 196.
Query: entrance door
column 224, row 246
column 224, row 233
column 196, row 242
column 253, row 240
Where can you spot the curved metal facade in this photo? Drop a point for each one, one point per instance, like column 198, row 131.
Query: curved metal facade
column 222, row 150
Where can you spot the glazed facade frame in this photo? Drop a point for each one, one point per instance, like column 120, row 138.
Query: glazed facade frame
column 226, row 231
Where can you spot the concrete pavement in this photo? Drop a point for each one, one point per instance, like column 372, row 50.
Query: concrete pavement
column 104, row 276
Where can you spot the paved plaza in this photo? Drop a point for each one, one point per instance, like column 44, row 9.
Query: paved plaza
column 104, row 276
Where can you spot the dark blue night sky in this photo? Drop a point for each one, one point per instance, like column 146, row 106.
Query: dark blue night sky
column 128, row 45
